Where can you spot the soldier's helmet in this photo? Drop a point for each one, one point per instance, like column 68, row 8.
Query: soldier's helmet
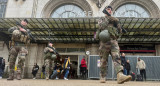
column 104, row 36
column 105, row 12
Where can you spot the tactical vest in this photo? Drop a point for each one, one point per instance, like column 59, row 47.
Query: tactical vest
column 17, row 36
column 107, row 23
column 112, row 29
column 48, row 54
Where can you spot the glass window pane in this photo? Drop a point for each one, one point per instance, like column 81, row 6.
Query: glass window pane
column 60, row 10
column 131, row 10
column 72, row 49
column 3, row 4
column 68, row 11
column 68, row 7
column 61, row 49
column 55, row 15
column 130, row 7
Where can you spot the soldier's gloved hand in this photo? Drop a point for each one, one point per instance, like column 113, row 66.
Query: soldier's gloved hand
column 50, row 50
column 23, row 30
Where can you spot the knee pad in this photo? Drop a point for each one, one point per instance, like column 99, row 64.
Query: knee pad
column 24, row 51
column 21, row 58
column 47, row 62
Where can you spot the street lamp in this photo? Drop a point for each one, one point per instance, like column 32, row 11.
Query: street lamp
column 87, row 53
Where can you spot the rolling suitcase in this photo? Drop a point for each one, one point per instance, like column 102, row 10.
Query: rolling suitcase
column 139, row 78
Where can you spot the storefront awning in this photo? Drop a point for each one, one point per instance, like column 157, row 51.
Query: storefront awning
column 76, row 30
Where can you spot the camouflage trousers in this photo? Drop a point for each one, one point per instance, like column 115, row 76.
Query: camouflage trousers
column 105, row 49
column 21, row 59
column 49, row 63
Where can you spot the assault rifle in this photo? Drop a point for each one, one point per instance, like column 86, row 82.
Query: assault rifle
column 54, row 50
column 123, row 30
column 27, row 30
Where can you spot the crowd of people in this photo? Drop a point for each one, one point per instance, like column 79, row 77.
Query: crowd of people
column 63, row 68
column 60, row 69
column 140, row 67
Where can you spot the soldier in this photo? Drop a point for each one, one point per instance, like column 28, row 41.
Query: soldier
column 108, row 33
column 50, row 56
column 18, row 48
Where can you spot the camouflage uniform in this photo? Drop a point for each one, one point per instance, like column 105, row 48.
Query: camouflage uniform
column 49, row 61
column 17, row 49
column 109, row 47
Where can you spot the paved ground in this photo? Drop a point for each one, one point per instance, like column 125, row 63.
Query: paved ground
column 40, row 82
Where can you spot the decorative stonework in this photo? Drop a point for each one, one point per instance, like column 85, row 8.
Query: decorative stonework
column 53, row 4
column 149, row 5
column 99, row 3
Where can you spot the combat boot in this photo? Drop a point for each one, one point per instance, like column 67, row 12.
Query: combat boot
column 47, row 77
column 102, row 80
column 121, row 78
column 18, row 75
column 11, row 75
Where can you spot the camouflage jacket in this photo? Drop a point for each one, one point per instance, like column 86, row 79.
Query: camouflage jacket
column 49, row 54
column 18, row 36
column 47, row 49
column 111, row 24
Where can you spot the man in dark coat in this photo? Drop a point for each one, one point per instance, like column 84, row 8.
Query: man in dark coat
column 128, row 67
column 123, row 62
column 35, row 70
column 1, row 59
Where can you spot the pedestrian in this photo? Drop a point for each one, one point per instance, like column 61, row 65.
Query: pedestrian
column 20, row 38
column 1, row 63
column 74, row 68
column 80, row 70
column 67, row 64
column 142, row 67
column 84, row 67
column 3, row 66
column 57, row 71
column 35, row 70
column 43, row 72
column 123, row 62
column 127, row 67
column 108, row 33
column 50, row 57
